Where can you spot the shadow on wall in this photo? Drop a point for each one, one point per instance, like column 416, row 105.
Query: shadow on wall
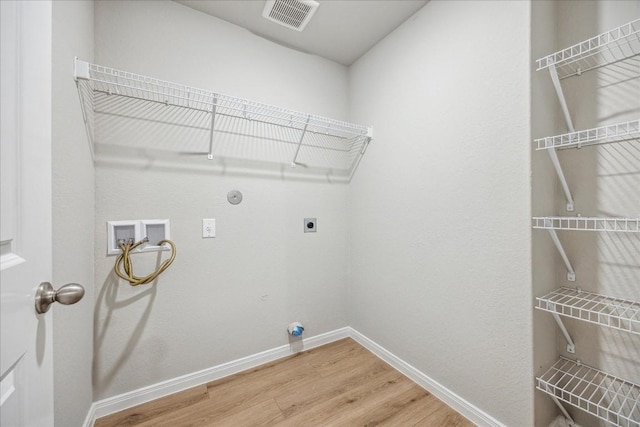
column 107, row 299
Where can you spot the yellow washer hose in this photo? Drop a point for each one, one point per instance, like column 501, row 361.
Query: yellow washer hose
column 125, row 259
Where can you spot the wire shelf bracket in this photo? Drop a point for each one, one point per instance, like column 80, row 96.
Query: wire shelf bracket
column 304, row 130
column 571, row 346
column 552, row 151
column 212, row 131
column 571, row 273
column 234, row 128
column 598, row 393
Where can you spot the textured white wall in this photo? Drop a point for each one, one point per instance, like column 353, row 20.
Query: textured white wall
column 234, row 295
column 544, row 115
column 440, row 235
column 73, row 191
column 605, row 181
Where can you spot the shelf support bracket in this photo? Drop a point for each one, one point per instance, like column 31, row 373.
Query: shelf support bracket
column 304, row 131
column 213, row 121
column 563, row 102
column 571, row 346
column 552, row 151
column 571, row 423
column 81, row 72
column 563, row 180
column 571, row 273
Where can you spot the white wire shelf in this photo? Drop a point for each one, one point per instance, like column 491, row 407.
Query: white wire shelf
column 607, row 397
column 594, row 308
column 607, row 48
column 627, row 131
column 579, row 223
column 221, row 121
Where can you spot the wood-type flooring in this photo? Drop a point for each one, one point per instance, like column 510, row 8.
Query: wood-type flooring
column 338, row 384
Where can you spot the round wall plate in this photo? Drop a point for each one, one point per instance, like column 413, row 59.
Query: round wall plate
column 234, row 197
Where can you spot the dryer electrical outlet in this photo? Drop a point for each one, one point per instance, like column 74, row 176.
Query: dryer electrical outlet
column 310, row 225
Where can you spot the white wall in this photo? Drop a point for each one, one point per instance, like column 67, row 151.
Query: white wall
column 234, row 295
column 544, row 115
column 605, row 182
column 439, row 211
column 73, row 190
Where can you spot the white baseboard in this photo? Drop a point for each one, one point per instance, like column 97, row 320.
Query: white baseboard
column 146, row 394
column 468, row 410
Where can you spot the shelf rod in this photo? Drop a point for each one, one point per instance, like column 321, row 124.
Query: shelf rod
column 304, row 130
column 571, row 273
column 572, row 423
column 213, row 121
column 571, row 346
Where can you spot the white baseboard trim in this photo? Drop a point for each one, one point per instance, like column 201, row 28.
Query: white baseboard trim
column 146, row 394
column 90, row 419
column 471, row 412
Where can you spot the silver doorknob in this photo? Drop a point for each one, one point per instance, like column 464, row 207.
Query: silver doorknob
column 46, row 295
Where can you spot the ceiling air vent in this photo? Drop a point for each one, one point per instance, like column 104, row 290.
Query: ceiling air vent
column 294, row 14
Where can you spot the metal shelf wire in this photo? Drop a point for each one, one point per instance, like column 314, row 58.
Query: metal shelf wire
column 607, row 397
column 305, row 139
column 594, row 308
column 579, row 223
column 627, row 131
column 607, row 48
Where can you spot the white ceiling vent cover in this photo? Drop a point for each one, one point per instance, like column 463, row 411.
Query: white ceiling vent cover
column 294, row 14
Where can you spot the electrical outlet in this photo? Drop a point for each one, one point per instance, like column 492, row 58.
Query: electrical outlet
column 310, row 225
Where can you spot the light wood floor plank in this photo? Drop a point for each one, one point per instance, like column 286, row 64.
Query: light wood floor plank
column 389, row 410
column 339, row 384
column 332, row 411
column 323, row 388
column 266, row 413
column 411, row 412
column 151, row 410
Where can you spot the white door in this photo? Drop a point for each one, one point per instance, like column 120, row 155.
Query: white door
column 26, row 360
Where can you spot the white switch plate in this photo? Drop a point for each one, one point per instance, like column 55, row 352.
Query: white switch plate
column 208, row 228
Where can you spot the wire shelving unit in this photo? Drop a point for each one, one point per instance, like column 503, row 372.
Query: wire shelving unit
column 609, row 398
column 594, row 308
column 579, row 223
column 627, row 131
column 603, row 395
column 304, row 139
column 613, row 46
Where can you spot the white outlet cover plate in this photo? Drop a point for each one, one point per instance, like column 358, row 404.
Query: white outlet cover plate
column 208, row 228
